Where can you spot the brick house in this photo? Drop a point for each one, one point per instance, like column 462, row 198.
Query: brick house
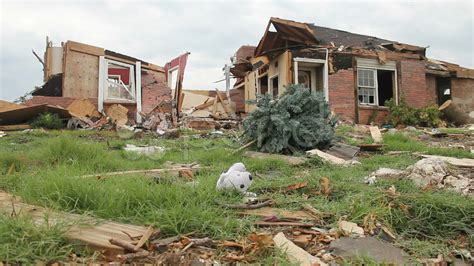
column 356, row 73
column 76, row 70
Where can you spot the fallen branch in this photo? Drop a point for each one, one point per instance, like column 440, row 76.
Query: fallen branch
column 246, row 206
column 245, row 146
column 149, row 231
column 294, row 253
column 283, row 224
column 125, row 245
column 132, row 256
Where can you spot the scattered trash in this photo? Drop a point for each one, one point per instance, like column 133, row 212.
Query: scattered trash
column 2, row 134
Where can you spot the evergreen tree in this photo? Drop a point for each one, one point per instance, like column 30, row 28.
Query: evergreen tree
column 298, row 119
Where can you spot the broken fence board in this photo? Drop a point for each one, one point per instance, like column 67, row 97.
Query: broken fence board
column 375, row 133
column 327, row 157
column 294, row 253
column 293, row 160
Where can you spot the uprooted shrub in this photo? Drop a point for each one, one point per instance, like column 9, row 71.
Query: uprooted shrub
column 47, row 120
column 403, row 114
column 298, row 120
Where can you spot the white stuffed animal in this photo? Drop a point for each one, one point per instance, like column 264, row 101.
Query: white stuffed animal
column 236, row 178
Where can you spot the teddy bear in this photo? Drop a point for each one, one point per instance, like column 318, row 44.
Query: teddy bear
column 236, row 178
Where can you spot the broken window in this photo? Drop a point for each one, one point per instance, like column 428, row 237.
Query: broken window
column 366, row 84
column 274, row 85
column 119, row 83
column 375, row 86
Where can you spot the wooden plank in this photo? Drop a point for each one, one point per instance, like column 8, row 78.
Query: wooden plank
column 293, row 160
column 7, row 106
column 327, row 157
column 375, row 133
column 148, row 172
column 459, row 162
column 92, row 232
column 15, row 127
column 225, row 106
column 294, row 253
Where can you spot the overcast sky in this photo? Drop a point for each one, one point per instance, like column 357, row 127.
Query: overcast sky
column 156, row 31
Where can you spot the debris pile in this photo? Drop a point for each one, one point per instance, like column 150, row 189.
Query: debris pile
column 432, row 172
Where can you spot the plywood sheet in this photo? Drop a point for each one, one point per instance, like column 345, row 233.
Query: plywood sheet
column 7, row 106
column 81, row 74
column 83, row 108
column 94, row 233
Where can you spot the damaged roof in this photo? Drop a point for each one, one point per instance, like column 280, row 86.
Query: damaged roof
column 326, row 36
column 291, row 33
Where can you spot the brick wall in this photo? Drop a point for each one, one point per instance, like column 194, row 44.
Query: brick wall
column 154, row 91
column 413, row 87
column 341, row 94
column 376, row 115
column 431, row 86
column 462, row 94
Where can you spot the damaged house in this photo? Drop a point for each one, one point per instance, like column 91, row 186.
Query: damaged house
column 106, row 78
column 356, row 73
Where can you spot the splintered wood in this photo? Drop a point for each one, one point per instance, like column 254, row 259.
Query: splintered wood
column 93, row 233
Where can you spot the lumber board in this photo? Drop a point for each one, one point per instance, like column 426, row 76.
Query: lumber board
column 293, row 160
column 375, row 133
column 294, row 253
column 327, row 157
column 91, row 232
column 148, row 172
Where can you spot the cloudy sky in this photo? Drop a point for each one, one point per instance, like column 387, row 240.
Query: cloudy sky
column 156, row 31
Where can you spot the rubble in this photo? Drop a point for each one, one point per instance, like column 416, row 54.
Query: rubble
column 432, row 171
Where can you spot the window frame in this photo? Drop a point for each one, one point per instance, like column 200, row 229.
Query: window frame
column 132, row 85
column 270, row 84
column 374, row 87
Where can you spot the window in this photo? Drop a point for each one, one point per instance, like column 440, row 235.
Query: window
column 274, row 85
column 263, row 84
column 119, row 84
column 367, row 86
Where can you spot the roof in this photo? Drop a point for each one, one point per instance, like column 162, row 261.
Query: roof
column 339, row 37
column 292, row 33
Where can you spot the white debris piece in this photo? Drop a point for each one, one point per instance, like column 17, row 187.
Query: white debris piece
column 145, row 150
column 427, row 171
column 382, row 173
column 2, row 134
column 350, row 228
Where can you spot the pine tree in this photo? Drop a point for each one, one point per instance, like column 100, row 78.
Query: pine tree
column 298, row 120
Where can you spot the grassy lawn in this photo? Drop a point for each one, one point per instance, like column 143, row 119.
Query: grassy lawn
column 48, row 166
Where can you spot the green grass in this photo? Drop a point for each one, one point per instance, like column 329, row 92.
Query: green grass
column 48, row 166
column 405, row 142
column 24, row 242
